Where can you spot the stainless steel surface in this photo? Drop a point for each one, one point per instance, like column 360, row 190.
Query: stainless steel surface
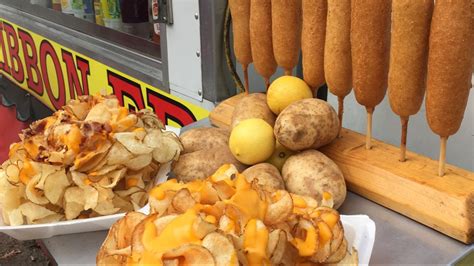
column 164, row 56
column 143, row 67
column 398, row 241
column 183, row 39
column 217, row 83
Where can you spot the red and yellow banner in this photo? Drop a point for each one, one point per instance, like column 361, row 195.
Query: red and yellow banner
column 55, row 74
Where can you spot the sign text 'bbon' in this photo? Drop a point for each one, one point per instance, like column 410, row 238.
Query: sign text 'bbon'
column 25, row 59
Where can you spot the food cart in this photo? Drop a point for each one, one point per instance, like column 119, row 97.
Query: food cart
column 398, row 212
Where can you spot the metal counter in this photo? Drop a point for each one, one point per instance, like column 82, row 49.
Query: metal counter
column 398, row 239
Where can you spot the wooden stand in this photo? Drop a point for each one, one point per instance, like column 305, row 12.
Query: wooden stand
column 412, row 188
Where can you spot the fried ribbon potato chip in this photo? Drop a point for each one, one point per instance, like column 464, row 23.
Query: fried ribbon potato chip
column 133, row 141
column 73, row 202
column 281, row 209
column 139, row 162
column 118, row 154
column 226, row 220
column 221, row 248
column 99, row 113
column 33, row 194
column 92, row 157
column 34, row 212
column 190, row 254
column 55, row 185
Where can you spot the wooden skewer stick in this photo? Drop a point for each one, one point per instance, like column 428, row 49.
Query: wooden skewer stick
column 267, row 83
column 246, row 79
column 340, row 112
column 368, row 136
column 403, row 142
column 442, row 156
column 288, row 72
column 315, row 92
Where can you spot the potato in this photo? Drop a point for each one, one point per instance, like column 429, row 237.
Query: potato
column 205, row 138
column 253, row 105
column 311, row 173
column 268, row 176
column 203, row 163
column 308, row 123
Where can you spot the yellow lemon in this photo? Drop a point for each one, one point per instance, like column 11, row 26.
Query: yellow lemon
column 284, row 91
column 279, row 156
column 252, row 141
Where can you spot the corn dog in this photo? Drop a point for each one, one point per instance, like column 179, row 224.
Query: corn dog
column 261, row 38
column 370, row 39
column 408, row 59
column 337, row 51
column 286, row 33
column 240, row 12
column 313, row 34
column 449, row 69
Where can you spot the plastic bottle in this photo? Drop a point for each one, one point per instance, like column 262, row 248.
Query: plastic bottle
column 56, row 5
column 99, row 16
column 66, row 7
column 135, row 17
column 155, row 37
column 89, row 10
column 111, row 12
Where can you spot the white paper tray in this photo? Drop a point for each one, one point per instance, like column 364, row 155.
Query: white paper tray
column 359, row 230
column 41, row 231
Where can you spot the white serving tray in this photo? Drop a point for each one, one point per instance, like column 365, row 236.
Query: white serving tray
column 359, row 230
column 41, row 231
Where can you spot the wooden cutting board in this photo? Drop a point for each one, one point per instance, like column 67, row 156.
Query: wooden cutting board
column 411, row 188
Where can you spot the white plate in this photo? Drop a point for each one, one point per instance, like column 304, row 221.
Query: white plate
column 40, row 231
column 359, row 231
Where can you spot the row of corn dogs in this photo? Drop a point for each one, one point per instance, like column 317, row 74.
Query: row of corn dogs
column 405, row 45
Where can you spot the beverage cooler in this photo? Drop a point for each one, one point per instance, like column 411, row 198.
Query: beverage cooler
column 163, row 55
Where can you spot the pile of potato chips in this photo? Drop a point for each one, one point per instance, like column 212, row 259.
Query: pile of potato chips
column 91, row 158
column 225, row 220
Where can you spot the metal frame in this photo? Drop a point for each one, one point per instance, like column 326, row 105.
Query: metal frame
column 48, row 23
column 217, row 82
column 132, row 55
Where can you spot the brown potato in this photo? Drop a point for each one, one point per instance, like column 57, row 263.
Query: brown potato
column 203, row 163
column 253, row 105
column 204, row 139
column 267, row 175
column 311, row 173
column 308, row 123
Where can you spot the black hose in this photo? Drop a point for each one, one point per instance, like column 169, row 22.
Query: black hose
column 228, row 57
